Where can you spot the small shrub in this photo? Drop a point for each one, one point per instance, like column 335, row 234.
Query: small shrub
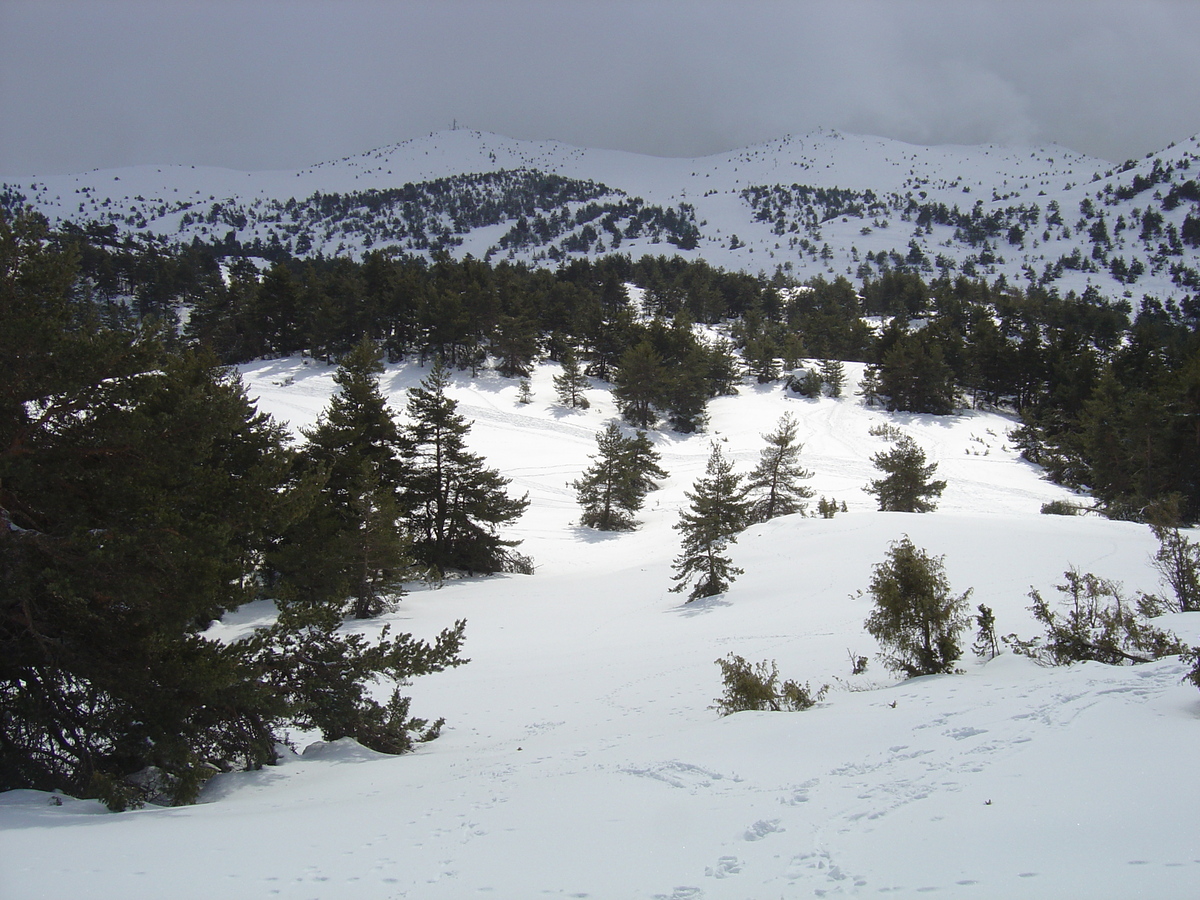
column 749, row 687
column 885, row 430
column 858, row 664
column 1059, row 508
column 986, row 643
column 1098, row 625
column 1178, row 565
column 809, row 385
column 828, row 508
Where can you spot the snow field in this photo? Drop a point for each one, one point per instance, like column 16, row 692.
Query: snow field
column 581, row 758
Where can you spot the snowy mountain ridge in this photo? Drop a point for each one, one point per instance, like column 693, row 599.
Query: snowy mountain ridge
column 821, row 204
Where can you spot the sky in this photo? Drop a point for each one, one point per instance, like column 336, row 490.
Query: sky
column 263, row 84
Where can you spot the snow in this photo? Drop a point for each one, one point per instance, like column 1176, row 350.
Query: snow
column 582, row 758
column 997, row 178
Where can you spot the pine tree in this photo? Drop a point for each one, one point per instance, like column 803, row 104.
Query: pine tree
column 907, row 485
column 615, row 486
column 352, row 546
column 571, row 383
column 870, row 388
column 718, row 511
column 773, row 485
column 916, row 619
column 638, row 385
column 833, row 373
column 455, row 504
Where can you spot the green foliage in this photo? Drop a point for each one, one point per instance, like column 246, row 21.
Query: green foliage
column 916, row 619
column 986, row 643
column 827, row 507
column 809, row 385
column 1059, row 508
column 322, row 677
column 571, row 383
column 140, row 493
column 773, row 486
column 757, row 687
column 638, row 385
column 352, row 546
column 719, row 510
column 454, row 503
column 915, row 377
column 870, row 388
column 907, row 485
column 1177, row 562
column 1098, row 624
column 833, row 373
column 614, row 487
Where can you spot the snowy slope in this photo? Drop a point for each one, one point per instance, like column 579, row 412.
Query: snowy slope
column 885, row 189
column 581, row 758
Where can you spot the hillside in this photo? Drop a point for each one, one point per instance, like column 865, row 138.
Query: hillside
column 824, row 203
column 582, row 758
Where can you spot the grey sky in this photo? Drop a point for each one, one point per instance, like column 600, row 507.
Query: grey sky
column 255, row 84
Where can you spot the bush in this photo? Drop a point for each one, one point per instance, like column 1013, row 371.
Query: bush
column 1099, row 625
column 1178, row 564
column 916, row 619
column 757, row 687
column 1059, row 508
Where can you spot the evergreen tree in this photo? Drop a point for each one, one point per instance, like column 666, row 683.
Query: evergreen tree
column 571, row 382
column 352, row 546
column 639, row 385
column 615, row 486
column 456, row 504
column 915, row 377
column 515, row 347
column 138, row 493
column 916, row 619
column 719, row 510
column 906, row 485
column 870, row 388
column 833, row 373
column 686, row 389
column 644, row 461
column 773, row 485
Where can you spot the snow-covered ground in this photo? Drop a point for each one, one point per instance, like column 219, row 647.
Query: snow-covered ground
column 582, row 759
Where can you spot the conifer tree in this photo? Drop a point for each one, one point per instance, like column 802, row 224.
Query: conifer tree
column 638, row 385
column 455, row 504
column 833, row 373
column 718, row 511
column 352, row 546
column 907, row 485
column 773, row 485
column 615, row 486
column 571, row 382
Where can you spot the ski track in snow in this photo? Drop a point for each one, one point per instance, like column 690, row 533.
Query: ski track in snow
column 582, row 759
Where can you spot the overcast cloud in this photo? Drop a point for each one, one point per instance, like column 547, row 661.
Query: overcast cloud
column 255, row 84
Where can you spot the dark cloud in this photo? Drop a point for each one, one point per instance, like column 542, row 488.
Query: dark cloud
column 257, row 84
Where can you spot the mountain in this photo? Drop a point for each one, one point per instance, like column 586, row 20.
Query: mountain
column 823, row 203
column 582, row 757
